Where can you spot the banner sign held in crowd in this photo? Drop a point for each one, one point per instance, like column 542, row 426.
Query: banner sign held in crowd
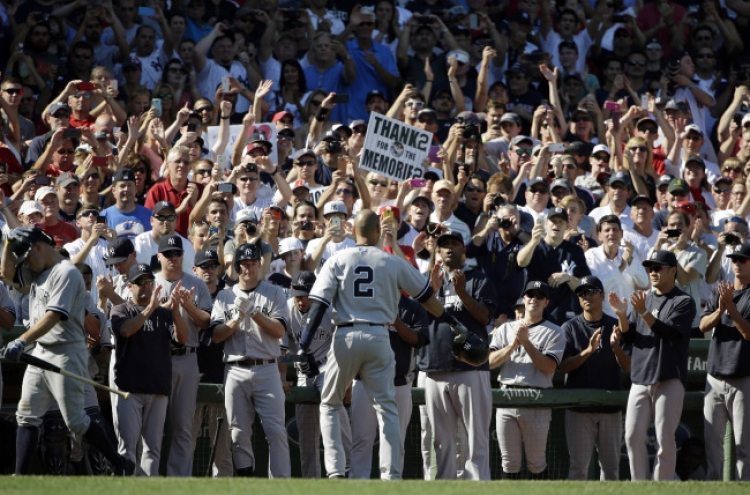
column 394, row 149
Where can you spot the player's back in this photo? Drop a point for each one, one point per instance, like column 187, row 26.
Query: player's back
column 362, row 283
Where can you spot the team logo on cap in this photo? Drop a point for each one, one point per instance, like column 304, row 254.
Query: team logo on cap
column 737, row 248
column 208, row 253
column 171, row 241
column 654, row 255
column 143, row 268
column 111, row 251
column 537, row 285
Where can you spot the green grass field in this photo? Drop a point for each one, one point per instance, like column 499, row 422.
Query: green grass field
column 196, row 486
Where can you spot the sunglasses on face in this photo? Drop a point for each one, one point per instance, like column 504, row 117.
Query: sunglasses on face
column 539, row 190
column 165, row 97
column 536, row 295
column 204, row 171
column 426, row 120
column 361, row 130
column 251, row 179
column 636, row 64
column 165, row 218
column 204, row 109
column 172, row 254
column 81, row 95
column 654, row 269
column 375, row 182
column 14, row 91
column 570, row 166
column 602, row 158
column 417, row 104
column 617, row 185
column 642, row 149
column 722, row 191
column 66, row 151
column 475, row 189
column 88, row 213
column 587, row 292
column 144, row 281
column 210, row 266
column 316, row 103
column 737, row 170
column 307, row 163
column 345, row 192
column 522, row 151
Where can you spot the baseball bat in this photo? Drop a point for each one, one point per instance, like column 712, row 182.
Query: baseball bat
column 212, row 455
column 290, row 358
column 40, row 363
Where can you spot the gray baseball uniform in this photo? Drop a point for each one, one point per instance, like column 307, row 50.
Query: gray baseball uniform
column 185, row 376
column 526, row 429
column 7, row 304
column 308, row 415
column 361, row 283
column 252, row 381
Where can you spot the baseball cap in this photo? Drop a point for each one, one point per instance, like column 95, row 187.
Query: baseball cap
column 139, row 270
column 517, row 68
column 30, row 236
column 723, row 178
column 431, row 175
column 745, row 119
column 171, row 242
column 162, row 205
column 331, row 136
column 427, row 200
column 579, row 148
column 741, row 251
column 520, row 17
column 573, row 75
column 468, row 117
column 206, row 256
column 642, row 197
column 589, row 282
column 460, row 55
column 280, row 115
column 245, row 215
column 601, row 148
column 28, row 207
column 131, row 63
column 66, row 178
column 558, row 212
column 561, row 183
column 623, row 177
column 118, row 250
column 675, row 105
column 647, row 118
column 450, row 234
column 375, row 93
column 303, row 152
column 286, row 131
column 678, row 185
column 519, row 302
column 538, row 181
column 43, row 192
column 537, row 286
column 693, row 128
column 695, row 159
column 358, row 122
column 289, row 244
column 259, row 137
column 521, row 139
column 256, row 146
column 302, row 283
column 661, row 258
column 664, row 180
column 511, row 117
column 335, row 207
column 394, row 209
column 123, row 174
column 299, row 183
column 342, row 127
column 442, row 184
column 653, row 43
column 56, row 107
column 247, row 252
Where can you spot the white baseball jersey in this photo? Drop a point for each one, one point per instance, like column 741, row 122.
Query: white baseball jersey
column 95, row 260
column 59, row 289
column 365, row 274
column 210, row 78
column 249, row 341
column 147, row 247
column 330, row 249
column 6, row 303
column 519, row 369
column 201, row 298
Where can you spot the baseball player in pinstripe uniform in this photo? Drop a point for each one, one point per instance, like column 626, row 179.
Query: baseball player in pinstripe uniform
column 362, row 283
column 407, row 333
column 252, row 318
column 659, row 330
column 196, row 311
column 593, row 359
column 144, row 331
column 727, row 313
column 56, row 313
column 308, row 415
column 527, row 353
column 7, row 320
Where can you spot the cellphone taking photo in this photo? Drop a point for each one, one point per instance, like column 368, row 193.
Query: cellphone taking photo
column 85, row 86
column 672, row 233
column 101, row 219
column 192, row 126
column 336, row 223
column 42, row 180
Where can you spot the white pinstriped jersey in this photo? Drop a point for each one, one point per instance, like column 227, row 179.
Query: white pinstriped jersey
column 201, row 298
column 249, row 341
column 362, row 283
column 59, row 289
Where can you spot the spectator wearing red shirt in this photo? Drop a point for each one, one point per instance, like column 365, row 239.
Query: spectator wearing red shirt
column 176, row 189
column 662, row 19
column 58, row 155
column 62, row 232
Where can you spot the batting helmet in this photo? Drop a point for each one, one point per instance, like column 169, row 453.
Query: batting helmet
column 23, row 238
column 473, row 350
column 245, row 252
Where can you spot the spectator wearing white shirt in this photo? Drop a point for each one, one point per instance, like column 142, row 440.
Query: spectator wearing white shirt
column 617, row 266
column 163, row 221
column 152, row 57
column 618, row 194
column 642, row 236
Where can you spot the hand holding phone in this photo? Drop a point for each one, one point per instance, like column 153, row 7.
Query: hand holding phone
column 416, row 183
column 85, row 86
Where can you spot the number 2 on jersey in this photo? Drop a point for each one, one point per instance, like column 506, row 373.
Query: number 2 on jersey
column 365, row 276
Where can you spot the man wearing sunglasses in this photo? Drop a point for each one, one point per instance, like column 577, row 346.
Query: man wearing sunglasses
column 720, row 267
column 195, row 310
column 618, row 192
column 727, row 314
column 163, row 220
column 593, row 359
column 527, row 352
column 658, row 328
column 91, row 247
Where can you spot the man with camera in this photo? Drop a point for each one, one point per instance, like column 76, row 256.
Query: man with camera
column 720, row 267
column 496, row 248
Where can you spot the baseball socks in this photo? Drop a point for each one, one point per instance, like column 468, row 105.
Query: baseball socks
column 98, row 438
column 27, row 439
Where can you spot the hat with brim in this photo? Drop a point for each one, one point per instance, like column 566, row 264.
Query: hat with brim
column 741, row 251
column 139, row 271
column 302, row 283
column 589, row 282
column 661, row 258
column 537, row 286
column 30, row 236
column 448, row 235
column 118, row 251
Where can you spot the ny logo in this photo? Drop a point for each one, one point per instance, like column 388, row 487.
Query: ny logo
column 654, row 255
column 208, row 253
column 144, row 268
column 171, row 241
column 537, row 285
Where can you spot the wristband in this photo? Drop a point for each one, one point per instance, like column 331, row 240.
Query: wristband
column 322, row 114
column 225, row 118
column 276, row 171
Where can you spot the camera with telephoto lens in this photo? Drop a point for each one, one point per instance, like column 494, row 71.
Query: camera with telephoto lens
column 504, row 223
column 471, row 131
column 498, row 200
column 250, row 228
column 306, row 226
column 333, row 147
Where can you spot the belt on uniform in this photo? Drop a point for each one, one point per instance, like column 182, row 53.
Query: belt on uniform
column 249, row 363
column 347, row 325
column 182, row 351
column 321, row 362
